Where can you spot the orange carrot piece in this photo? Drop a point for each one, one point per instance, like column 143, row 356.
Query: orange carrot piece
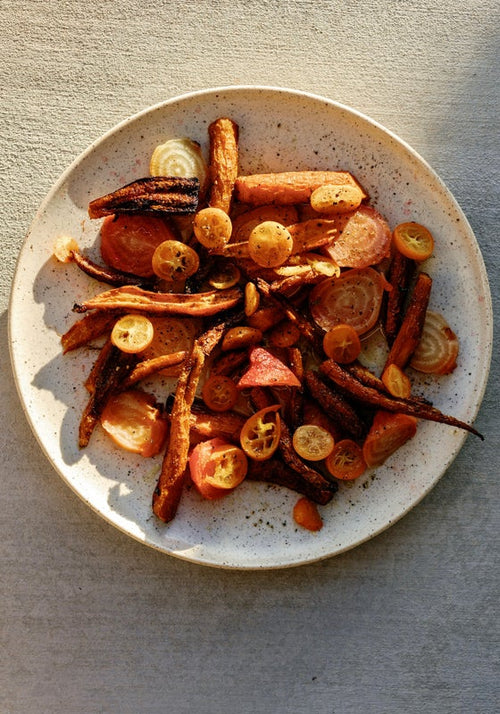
column 410, row 332
column 223, row 164
column 289, row 187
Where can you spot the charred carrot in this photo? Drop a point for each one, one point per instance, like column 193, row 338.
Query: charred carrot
column 153, row 194
column 111, row 371
column 276, row 472
column 148, row 367
column 89, row 328
column 288, row 187
column 410, row 332
column 168, row 491
column 401, row 271
column 368, row 395
column 335, row 406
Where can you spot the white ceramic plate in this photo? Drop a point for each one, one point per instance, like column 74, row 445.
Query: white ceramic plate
column 279, row 130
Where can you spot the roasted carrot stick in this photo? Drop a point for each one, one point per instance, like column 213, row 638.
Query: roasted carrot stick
column 368, row 395
column 168, row 491
column 148, row 367
column 131, row 297
column 400, row 274
column 335, row 406
column 87, row 329
column 410, row 332
column 112, row 370
column 277, row 472
column 223, row 162
column 288, row 187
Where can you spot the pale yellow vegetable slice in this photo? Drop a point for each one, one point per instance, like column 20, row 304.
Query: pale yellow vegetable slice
column 179, row 157
column 64, row 247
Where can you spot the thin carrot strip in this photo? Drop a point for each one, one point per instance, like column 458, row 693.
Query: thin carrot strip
column 335, row 406
column 168, row 491
column 111, row 372
column 86, row 329
column 410, row 332
column 148, row 367
column 368, row 395
column 131, row 297
column 400, row 273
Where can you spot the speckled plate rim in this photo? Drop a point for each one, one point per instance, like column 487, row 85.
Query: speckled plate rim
column 271, row 553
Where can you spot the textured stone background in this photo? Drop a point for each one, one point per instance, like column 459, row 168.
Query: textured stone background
column 93, row 621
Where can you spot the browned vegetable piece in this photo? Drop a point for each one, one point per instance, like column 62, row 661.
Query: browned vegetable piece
column 410, row 332
column 275, row 471
column 308, row 329
column 228, row 363
column 368, row 395
column 131, row 297
column 88, row 328
column 209, row 425
column 223, row 162
column 154, row 195
column 312, row 234
column 401, row 271
column 168, row 491
column 148, row 367
column 335, row 406
column 288, row 187
column 105, row 274
column 112, row 368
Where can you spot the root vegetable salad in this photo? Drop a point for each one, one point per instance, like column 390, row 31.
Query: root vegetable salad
column 257, row 294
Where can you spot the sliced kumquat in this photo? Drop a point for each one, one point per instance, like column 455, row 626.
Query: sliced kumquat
column 174, row 260
column 413, row 240
column 286, row 334
column 260, row 434
column 396, row 381
column 346, row 462
column 219, row 393
column 270, row 244
column 342, row 344
column 132, row 333
column 312, row 442
column 330, row 198
column 212, row 228
column 306, row 515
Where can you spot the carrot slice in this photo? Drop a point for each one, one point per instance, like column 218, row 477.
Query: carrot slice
column 410, row 332
column 389, row 431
